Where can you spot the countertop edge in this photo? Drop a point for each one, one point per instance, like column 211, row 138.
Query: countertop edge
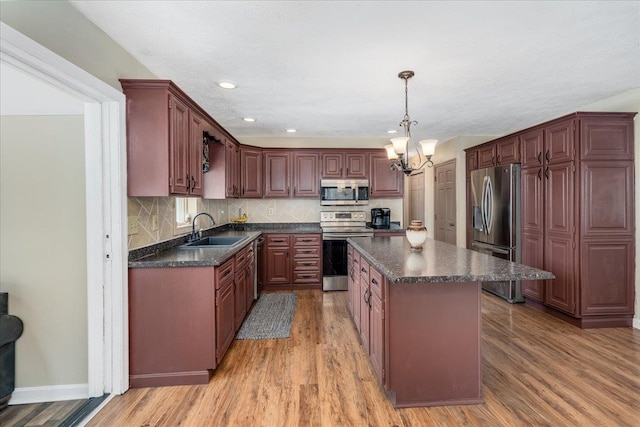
column 395, row 279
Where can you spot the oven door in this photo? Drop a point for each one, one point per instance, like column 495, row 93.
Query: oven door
column 334, row 264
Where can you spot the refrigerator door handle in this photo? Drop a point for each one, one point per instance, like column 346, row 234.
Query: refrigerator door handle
column 483, row 205
column 487, row 204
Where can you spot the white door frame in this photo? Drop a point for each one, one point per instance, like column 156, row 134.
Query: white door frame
column 105, row 169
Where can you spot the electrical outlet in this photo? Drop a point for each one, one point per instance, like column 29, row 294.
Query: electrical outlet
column 132, row 223
column 155, row 222
column 270, row 211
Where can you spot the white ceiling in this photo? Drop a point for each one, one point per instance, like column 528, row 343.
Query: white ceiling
column 329, row 69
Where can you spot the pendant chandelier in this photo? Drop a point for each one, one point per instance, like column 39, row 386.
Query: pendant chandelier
column 400, row 149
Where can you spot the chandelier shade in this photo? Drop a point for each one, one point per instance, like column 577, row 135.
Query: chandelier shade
column 399, row 149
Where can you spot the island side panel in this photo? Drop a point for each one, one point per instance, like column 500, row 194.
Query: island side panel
column 171, row 326
column 434, row 337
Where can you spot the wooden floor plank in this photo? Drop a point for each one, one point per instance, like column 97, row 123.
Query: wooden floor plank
column 537, row 370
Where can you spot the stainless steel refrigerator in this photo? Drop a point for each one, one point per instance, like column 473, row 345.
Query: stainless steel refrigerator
column 495, row 221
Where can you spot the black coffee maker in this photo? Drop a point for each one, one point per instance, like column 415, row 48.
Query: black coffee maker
column 380, row 218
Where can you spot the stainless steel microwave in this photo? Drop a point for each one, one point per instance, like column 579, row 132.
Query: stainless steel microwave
column 340, row 192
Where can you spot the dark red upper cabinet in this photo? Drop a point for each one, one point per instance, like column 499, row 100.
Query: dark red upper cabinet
column 384, row 181
column 305, row 174
column 250, row 172
column 559, row 142
column 164, row 140
column 277, row 174
column 487, row 156
column 337, row 165
column 508, row 150
column 532, row 148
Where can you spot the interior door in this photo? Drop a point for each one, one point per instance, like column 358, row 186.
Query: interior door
column 445, row 202
column 416, row 198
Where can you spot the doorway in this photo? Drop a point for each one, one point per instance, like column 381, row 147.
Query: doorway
column 445, row 202
column 416, row 197
column 103, row 213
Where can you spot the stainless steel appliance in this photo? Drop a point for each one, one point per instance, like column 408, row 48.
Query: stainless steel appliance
column 381, row 218
column 495, row 219
column 336, row 228
column 340, row 192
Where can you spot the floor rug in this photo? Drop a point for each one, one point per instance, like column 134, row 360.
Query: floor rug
column 270, row 318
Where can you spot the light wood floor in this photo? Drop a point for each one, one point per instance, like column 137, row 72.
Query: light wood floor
column 537, row 371
column 39, row 414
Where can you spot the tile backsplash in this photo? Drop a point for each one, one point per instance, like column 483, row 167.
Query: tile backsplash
column 223, row 211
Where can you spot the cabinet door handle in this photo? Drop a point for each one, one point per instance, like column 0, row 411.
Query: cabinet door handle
column 540, row 157
column 546, row 172
column 540, row 174
column 243, row 190
column 365, row 296
column 374, row 281
column 546, row 156
column 497, row 159
column 294, row 191
column 363, row 269
column 188, row 182
column 288, row 191
column 193, row 183
column 347, row 171
column 493, row 160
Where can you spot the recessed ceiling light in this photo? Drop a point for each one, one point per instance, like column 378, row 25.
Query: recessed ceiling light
column 249, row 119
column 291, row 130
column 226, row 84
column 392, row 131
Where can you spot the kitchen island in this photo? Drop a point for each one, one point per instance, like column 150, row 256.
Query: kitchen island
column 419, row 316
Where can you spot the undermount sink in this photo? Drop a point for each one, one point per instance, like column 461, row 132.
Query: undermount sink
column 213, row 241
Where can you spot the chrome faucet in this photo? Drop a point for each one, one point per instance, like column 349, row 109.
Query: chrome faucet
column 196, row 235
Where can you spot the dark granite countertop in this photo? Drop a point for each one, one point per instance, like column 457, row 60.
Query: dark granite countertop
column 438, row 262
column 169, row 254
column 394, row 227
column 276, row 227
column 195, row 257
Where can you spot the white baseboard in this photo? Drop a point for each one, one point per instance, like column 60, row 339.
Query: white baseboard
column 636, row 323
column 54, row 393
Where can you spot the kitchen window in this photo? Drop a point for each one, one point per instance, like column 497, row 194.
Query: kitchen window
column 185, row 208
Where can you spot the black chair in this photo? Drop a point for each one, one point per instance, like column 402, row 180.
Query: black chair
column 10, row 330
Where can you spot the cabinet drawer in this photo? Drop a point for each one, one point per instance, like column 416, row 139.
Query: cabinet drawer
column 364, row 271
column 241, row 258
column 224, row 273
column 306, row 276
column 306, row 252
column 307, row 239
column 277, row 240
column 306, row 264
column 377, row 282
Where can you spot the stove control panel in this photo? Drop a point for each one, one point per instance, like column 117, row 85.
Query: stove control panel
column 359, row 216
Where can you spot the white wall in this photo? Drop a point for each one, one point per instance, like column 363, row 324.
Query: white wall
column 59, row 27
column 43, row 246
